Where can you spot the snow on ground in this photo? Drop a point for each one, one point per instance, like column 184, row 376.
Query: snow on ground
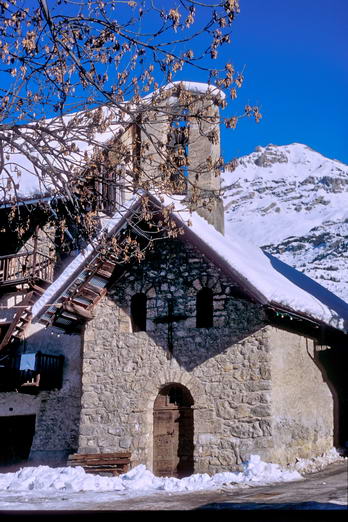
column 75, row 479
column 318, row 463
column 65, row 488
column 42, row 487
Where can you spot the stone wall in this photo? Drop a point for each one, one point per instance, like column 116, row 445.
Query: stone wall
column 226, row 368
column 58, row 417
column 57, row 411
column 302, row 404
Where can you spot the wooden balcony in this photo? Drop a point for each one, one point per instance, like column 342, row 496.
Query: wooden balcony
column 46, row 375
column 24, row 267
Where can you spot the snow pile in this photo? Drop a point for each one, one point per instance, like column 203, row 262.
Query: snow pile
column 44, row 478
column 257, row 471
column 318, row 463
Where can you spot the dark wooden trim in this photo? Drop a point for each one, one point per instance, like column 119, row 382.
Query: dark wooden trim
column 23, row 315
column 300, row 323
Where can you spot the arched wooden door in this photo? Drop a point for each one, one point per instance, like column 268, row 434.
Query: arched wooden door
column 173, row 432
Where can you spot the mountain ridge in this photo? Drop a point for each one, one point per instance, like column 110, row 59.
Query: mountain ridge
column 292, row 202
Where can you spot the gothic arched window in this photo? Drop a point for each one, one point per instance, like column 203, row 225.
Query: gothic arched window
column 138, row 312
column 204, row 308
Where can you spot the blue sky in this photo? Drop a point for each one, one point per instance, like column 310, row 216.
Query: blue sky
column 295, row 54
column 295, row 59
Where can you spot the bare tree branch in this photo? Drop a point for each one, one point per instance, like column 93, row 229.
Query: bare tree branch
column 77, row 120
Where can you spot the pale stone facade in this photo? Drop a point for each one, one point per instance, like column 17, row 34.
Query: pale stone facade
column 203, row 151
column 256, row 388
column 302, row 402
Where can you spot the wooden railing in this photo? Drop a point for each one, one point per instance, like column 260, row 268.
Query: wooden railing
column 47, row 375
column 21, row 267
column 20, row 320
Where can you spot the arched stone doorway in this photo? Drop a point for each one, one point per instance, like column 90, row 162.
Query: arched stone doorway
column 173, row 432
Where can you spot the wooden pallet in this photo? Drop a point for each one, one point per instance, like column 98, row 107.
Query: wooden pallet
column 101, row 463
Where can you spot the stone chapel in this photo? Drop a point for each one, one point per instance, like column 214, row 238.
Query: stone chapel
column 204, row 352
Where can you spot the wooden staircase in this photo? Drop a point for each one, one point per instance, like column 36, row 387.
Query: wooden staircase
column 77, row 303
column 22, row 318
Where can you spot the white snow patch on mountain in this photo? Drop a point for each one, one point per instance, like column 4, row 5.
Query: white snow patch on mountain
column 293, row 202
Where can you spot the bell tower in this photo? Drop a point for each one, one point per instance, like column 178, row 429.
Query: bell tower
column 204, row 181
column 186, row 125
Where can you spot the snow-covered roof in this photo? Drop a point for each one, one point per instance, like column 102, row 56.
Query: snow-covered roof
column 31, row 159
column 110, row 226
column 194, row 87
column 270, row 280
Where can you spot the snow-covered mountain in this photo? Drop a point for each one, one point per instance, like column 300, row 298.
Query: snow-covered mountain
column 293, row 202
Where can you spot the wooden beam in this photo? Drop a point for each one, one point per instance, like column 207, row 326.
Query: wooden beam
column 103, row 273
column 26, row 303
column 89, row 293
column 74, row 308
